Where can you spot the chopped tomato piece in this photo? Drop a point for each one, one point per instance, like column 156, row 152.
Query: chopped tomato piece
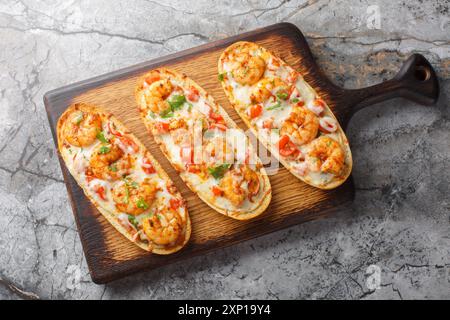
column 193, row 94
column 153, row 78
column 268, row 123
column 113, row 130
column 101, row 192
column 147, row 167
column 217, row 191
column 219, row 126
column 287, row 147
column 130, row 143
column 283, row 141
column 255, row 111
column 174, row 203
column 192, row 168
column 288, row 150
column 215, row 116
column 162, row 127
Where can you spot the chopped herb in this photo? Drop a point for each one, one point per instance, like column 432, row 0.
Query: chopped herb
column 126, row 199
column 282, row 95
column 70, row 150
column 78, row 118
column 101, row 137
column 176, row 102
column 221, row 76
column 159, row 216
column 141, row 204
column 104, row 150
column 218, row 171
column 295, row 100
column 112, row 168
column 166, row 114
column 275, row 106
column 151, row 114
column 131, row 183
column 190, row 106
column 133, row 221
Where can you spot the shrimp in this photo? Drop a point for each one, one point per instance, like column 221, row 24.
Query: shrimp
column 81, row 128
column 161, row 88
column 156, row 104
column 132, row 197
column 301, row 126
column 156, row 94
column 266, row 88
column 246, row 68
column 109, row 162
column 240, row 183
column 327, row 154
column 252, row 179
column 163, row 227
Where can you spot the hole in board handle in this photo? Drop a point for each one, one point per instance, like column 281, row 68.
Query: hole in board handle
column 422, row 73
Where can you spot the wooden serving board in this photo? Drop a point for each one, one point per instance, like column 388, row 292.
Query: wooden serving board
column 109, row 255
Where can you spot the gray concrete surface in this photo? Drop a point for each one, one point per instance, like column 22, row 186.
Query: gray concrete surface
column 392, row 243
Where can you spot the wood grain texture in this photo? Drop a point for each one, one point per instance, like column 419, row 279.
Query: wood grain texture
column 109, row 255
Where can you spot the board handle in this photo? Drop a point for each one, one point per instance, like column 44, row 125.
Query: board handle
column 416, row 81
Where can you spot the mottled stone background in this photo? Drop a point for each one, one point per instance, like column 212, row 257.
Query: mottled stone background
column 398, row 227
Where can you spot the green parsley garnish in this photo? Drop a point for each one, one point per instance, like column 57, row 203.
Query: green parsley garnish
column 141, row 204
column 221, row 76
column 168, row 113
column 131, row 183
column 275, row 106
column 295, row 100
column 104, row 150
column 126, row 199
column 112, row 168
column 133, row 221
column 101, row 137
column 176, row 102
column 151, row 114
column 190, row 106
column 282, row 95
column 79, row 118
column 218, row 171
